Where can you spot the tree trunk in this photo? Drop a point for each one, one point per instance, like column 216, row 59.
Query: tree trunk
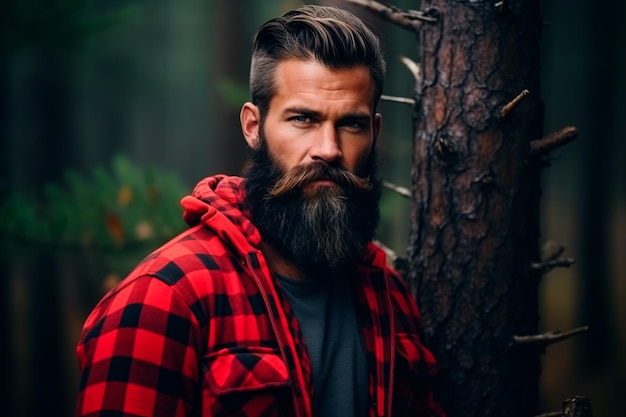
column 475, row 222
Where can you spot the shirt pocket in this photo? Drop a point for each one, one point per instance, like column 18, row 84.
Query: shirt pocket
column 246, row 381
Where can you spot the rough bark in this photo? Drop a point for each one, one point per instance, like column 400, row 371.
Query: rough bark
column 475, row 223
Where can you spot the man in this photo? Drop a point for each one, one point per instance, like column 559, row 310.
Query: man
column 275, row 302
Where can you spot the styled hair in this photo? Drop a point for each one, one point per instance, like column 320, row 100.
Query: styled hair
column 331, row 36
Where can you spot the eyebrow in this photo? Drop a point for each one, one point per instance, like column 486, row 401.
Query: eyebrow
column 301, row 110
column 308, row 112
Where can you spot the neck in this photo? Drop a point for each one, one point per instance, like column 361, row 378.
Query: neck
column 279, row 264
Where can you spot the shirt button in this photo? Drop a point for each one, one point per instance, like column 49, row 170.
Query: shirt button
column 367, row 323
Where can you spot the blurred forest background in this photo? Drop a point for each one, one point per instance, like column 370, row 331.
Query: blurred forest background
column 111, row 110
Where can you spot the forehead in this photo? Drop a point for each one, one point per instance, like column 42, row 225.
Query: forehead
column 308, row 82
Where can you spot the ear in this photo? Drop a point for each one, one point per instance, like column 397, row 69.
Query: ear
column 250, row 119
column 376, row 126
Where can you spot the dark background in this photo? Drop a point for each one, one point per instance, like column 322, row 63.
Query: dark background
column 162, row 82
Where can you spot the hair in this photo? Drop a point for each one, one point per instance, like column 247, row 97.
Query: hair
column 331, row 36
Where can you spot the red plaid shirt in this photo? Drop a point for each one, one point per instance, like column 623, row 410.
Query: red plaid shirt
column 200, row 328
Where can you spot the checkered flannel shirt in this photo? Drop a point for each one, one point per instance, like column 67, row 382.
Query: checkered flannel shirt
column 200, row 328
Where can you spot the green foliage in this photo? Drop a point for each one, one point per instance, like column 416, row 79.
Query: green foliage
column 232, row 92
column 26, row 23
column 114, row 208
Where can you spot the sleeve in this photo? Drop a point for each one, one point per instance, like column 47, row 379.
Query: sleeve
column 415, row 364
column 138, row 354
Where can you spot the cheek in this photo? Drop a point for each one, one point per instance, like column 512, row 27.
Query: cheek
column 287, row 148
column 274, row 139
column 356, row 157
column 283, row 152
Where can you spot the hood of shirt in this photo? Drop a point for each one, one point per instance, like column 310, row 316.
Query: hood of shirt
column 218, row 202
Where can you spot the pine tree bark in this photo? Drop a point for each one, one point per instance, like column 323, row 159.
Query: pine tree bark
column 475, row 222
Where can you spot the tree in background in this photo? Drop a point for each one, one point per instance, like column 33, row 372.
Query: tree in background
column 474, row 260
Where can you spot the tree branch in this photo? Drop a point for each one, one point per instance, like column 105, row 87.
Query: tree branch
column 404, row 192
column 577, row 407
column 550, row 337
column 512, row 104
column 553, row 141
column 572, row 407
column 553, row 263
column 551, row 414
column 551, row 250
column 395, row 99
column 413, row 67
column 408, row 19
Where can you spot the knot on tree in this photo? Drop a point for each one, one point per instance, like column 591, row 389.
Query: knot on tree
column 447, row 149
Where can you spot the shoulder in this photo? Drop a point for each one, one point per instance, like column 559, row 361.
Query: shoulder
column 176, row 276
column 189, row 259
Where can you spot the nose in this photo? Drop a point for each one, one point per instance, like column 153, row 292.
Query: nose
column 327, row 146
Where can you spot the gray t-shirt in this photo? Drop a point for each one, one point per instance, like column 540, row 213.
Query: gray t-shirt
column 325, row 310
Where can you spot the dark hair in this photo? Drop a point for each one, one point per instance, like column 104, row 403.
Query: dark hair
column 334, row 37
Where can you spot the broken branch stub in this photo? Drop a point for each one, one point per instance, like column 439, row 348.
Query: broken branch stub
column 553, row 141
column 548, row 338
column 408, row 19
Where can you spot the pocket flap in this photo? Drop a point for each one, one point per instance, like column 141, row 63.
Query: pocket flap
column 245, row 369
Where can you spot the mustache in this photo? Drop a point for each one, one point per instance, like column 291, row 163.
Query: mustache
column 300, row 175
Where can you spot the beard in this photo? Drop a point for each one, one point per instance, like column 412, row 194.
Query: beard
column 315, row 227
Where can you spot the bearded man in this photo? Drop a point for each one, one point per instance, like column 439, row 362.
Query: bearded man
column 275, row 302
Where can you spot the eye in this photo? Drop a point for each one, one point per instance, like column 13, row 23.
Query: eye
column 301, row 119
column 354, row 125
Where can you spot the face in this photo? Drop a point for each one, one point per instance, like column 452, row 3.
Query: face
column 312, row 186
column 317, row 114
